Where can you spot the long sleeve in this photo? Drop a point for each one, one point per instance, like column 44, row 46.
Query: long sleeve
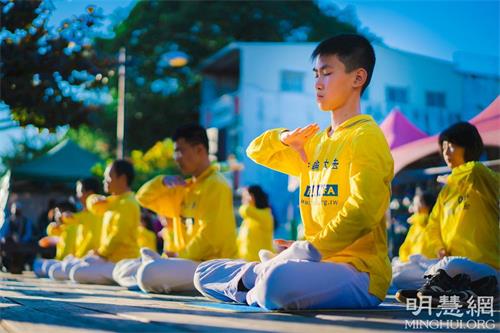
column 433, row 240
column 216, row 228
column 97, row 207
column 161, row 199
column 370, row 174
column 85, row 246
column 121, row 222
column 269, row 151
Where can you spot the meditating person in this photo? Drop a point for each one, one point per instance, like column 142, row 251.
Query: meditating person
column 345, row 176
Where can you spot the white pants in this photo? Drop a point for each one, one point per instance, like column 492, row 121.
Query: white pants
column 165, row 275
column 60, row 270
column 92, row 270
column 125, row 272
column 411, row 276
column 41, row 267
column 295, row 279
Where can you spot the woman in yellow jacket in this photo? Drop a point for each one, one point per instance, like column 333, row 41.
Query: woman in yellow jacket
column 256, row 230
column 463, row 226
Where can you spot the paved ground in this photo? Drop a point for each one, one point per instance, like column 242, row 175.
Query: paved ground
column 28, row 304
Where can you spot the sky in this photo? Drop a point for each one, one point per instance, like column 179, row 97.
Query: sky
column 434, row 28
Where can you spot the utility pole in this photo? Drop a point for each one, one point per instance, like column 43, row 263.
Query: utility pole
column 120, row 116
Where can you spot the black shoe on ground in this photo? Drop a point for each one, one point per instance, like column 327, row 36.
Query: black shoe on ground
column 441, row 284
column 438, row 282
column 484, row 287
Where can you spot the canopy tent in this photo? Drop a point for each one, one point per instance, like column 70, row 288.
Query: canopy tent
column 487, row 123
column 398, row 130
column 66, row 162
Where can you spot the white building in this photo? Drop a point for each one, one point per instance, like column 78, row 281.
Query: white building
column 250, row 87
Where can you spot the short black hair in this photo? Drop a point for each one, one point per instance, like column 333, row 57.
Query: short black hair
column 465, row 135
column 194, row 134
column 428, row 199
column 124, row 167
column 90, row 184
column 353, row 50
column 260, row 197
column 66, row 206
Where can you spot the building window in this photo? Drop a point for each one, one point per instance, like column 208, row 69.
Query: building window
column 292, row 81
column 396, row 95
column 435, row 99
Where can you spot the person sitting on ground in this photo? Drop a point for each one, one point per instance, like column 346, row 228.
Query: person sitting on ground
column 413, row 258
column 63, row 235
column 201, row 209
column 256, row 230
column 345, row 176
column 463, row 225
column 120, row 219
column 88, row 233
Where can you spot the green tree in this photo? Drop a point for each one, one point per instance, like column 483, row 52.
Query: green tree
column 160, row 97
column 49, row 76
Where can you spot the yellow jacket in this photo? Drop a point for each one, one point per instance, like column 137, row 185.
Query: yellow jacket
column 146, row 238
column 345, row 192
column 256, row 232
column 88, row 234
column 464, row 220
column 168, row 239
column 202, row 213
column 120, row 221
column 67, row 237
column 415, row 238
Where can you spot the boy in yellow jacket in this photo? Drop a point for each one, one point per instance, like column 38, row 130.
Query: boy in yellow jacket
column 463, row 225
column 201, row 209
column 120, row 214
column 345, row 173
column 414, row 257
column 88, row 229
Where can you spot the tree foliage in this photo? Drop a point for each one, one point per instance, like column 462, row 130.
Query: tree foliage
column 157, row 160
column 160, row 97
column 49, row 76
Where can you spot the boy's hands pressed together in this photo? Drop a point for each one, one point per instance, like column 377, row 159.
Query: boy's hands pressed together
column 298, row 138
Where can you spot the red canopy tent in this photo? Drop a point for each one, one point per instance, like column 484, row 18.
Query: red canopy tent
column 398, row 130
column 487, row 123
